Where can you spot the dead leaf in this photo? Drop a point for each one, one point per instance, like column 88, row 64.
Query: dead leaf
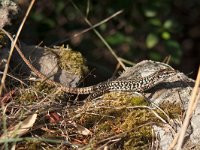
column 21, row 128
column 82, row 130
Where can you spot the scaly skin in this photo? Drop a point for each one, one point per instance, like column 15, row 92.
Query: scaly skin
column 139, row 85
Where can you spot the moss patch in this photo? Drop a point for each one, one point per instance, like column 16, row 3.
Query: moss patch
column 113, row 117
column 35, row 93
column 119, row 120
column 122, row 121
column 70, row 60
column 172, row 110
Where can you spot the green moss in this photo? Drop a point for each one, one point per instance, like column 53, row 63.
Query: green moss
column 26, row 97
column 139, row 139
column 105, row 127
column 33, row 145
column 115, row 119
column 171, row 109
column 70, row 60
column 132, row 125
column 35, row 92
column 138, row 101
column 125, row 99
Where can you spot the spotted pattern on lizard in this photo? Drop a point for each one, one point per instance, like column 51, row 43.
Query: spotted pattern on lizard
column 138, row 85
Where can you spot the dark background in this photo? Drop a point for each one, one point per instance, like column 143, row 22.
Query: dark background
column 147, row 29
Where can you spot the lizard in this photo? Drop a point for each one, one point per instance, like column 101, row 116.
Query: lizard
column 140, row 85
column 136, row 85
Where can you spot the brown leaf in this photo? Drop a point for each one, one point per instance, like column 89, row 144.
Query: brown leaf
column 21, row 128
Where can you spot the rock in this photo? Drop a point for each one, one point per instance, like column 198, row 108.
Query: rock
column 8, row 9
column 175, row 91
column 48, row 60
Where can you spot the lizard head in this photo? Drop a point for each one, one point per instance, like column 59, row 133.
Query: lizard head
column 155, row 78
column 165, row 73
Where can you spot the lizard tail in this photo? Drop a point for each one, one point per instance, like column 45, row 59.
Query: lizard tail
column 85, row 90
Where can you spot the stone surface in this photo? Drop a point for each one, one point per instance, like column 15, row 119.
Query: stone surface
column 47, row 63
column 175, row 90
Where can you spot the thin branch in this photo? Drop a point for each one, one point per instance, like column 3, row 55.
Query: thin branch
column 90, row 28
column 17, row 79
column 7, row 65
column 12, row 47
column 100, row 36
column 190, row 110
column 191, row 106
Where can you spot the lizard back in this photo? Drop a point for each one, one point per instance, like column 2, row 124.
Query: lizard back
column 138, row 85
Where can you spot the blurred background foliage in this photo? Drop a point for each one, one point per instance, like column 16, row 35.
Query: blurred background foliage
column 147, row 29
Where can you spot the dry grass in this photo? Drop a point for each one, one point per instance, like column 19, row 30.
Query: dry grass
column 118, row 120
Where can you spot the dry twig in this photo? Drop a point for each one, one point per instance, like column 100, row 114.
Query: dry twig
column 13, row 46
column 191, row 107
